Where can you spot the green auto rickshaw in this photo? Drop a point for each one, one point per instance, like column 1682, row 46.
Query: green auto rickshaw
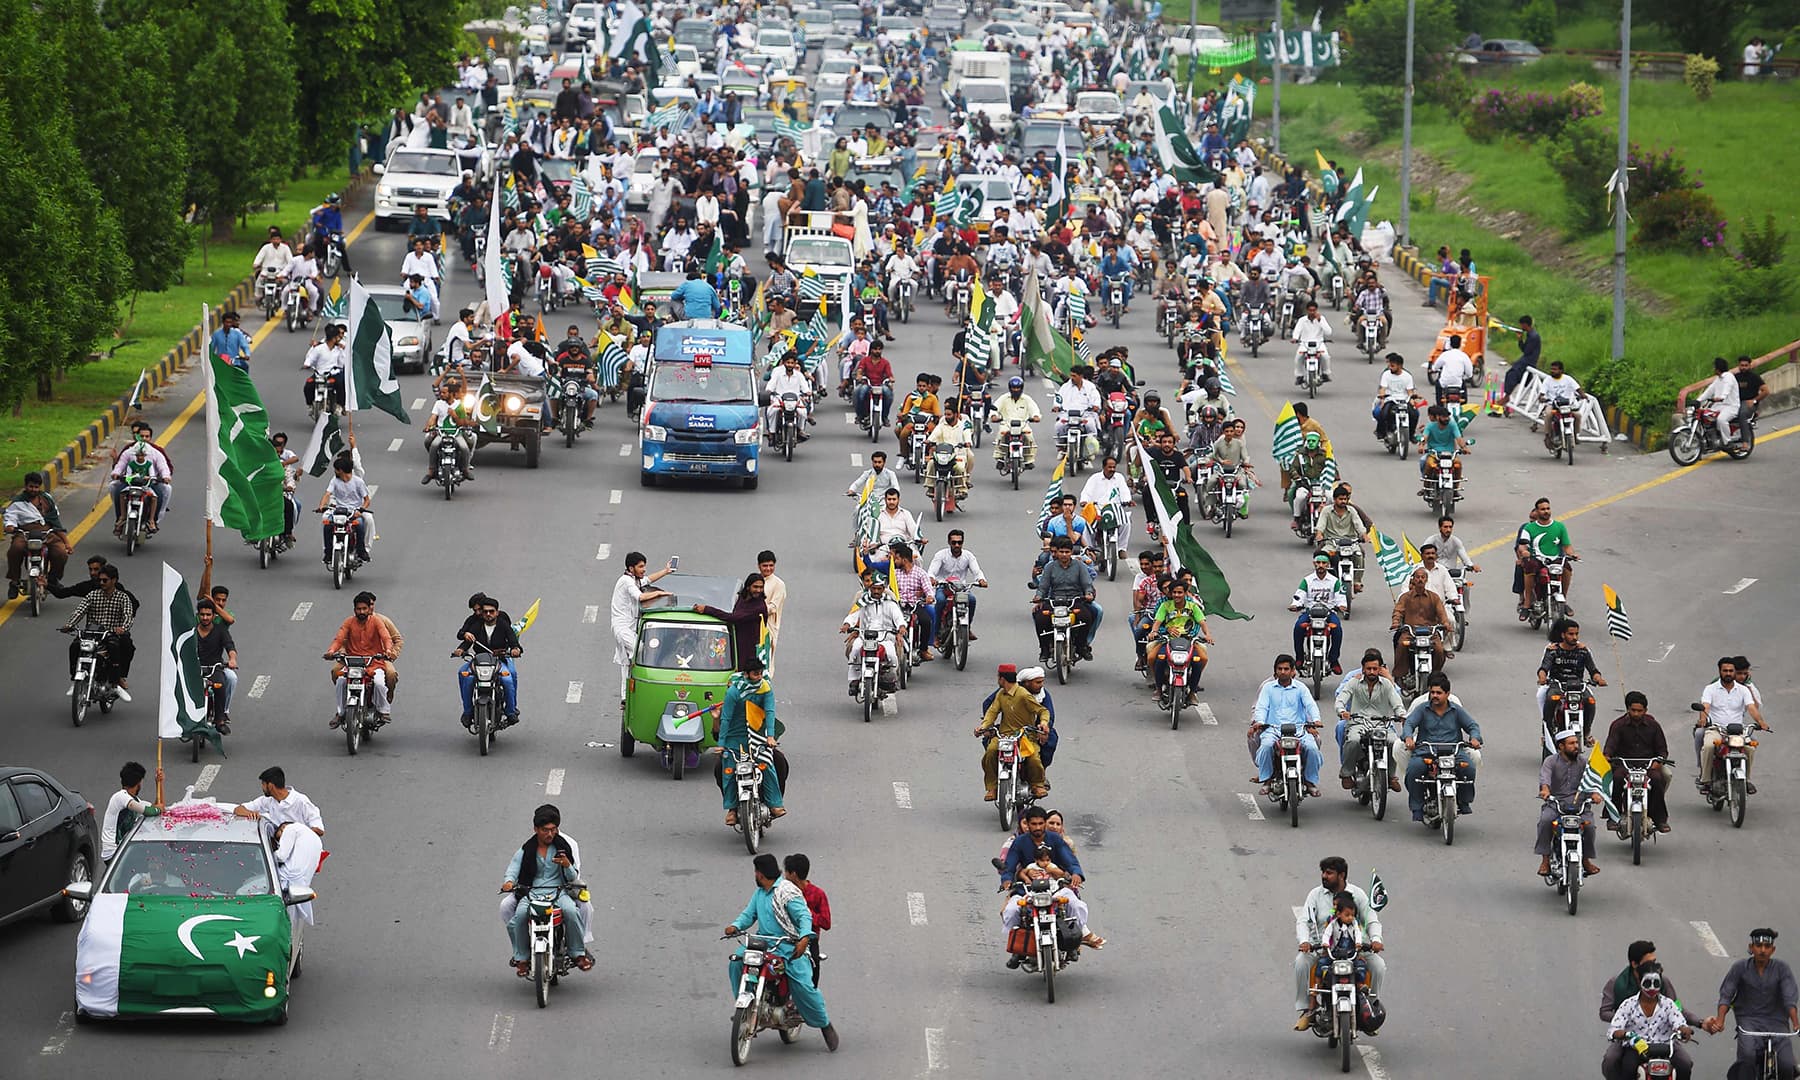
column 679, row 671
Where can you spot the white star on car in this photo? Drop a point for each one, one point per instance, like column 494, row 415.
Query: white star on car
column 243, row 944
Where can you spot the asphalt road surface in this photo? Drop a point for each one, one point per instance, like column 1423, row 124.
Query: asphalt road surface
column 1192, row 880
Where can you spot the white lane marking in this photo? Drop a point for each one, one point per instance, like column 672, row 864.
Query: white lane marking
column 1206, row 714
column 856, row 461
column 1253, row 811
column 500, row 1035
column 65, row 1027
column 849, row 418
column 615, row 496
column 604, row 553
column 1372, row 1061
column 373, row 488
column 624, row 449
column 1743, row 583
column 205, row 782
column 394, row 447
column 553, row 783
column 934, row 1050
column 300, row 611
column 590, row 613
column 573, row 697
column 418, row 403
column 903, row 795
column 1668, row 647
column 259, row 686
column 915, row 908
column 1709, row 939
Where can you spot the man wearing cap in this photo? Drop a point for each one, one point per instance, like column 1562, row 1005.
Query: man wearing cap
column 1559, row 782
column 1014, row 711
column 1762, row 991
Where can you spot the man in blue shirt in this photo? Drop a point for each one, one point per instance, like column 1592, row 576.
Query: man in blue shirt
column 1440, row 720
column 699, row 299
column 778, row 909
column 1284, row 701
column 230, row 343
column 543, row 865
column 1117, row 264
column 1442, row 435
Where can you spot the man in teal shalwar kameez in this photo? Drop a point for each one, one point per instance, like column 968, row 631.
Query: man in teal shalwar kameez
column 749, row 706
column 777, row 909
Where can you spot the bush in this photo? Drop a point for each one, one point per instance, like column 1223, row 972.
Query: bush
column 1537, row 23
column 1376, row 55
column 1386, row 105
column 1446, row 83
column 1699, row 72
column 1656, row 173
column 1680, row 220
column 1497, row 112
column 1636, row 389
column 1740, row 292
column 1583, row 157
column 1761, row 249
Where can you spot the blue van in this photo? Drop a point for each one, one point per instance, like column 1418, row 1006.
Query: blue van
column 701, row 415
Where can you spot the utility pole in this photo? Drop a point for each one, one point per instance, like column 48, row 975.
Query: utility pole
column 1406, row 133
column 1193, row 46
column 1275, row 125
column 1618, row 314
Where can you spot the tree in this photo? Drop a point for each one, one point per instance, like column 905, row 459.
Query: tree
column 1376, row 53
column 346, row 69
column 1705, row 27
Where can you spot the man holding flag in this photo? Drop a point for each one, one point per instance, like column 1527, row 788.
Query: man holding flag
column 1561, row 780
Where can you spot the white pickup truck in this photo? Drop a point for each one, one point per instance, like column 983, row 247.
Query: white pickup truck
column 831, row 258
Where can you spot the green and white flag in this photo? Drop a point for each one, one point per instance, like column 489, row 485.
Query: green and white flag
column 1353, row 209
column 327, row 443
column 369, row 381
column 669, row 116
column 1077, row 307
column 231, row 950
column 1177, row 154
column 1286, row 441
column 244, row 476
column 487, row 405
column 581, row 198
column 136, row 401
column 633, row 40
column 333, row 309
column 1045, row 348
column 183, row 705
column 493, row 264
column 790, row 129
column 1053, row 494
column 970, row 207
column 812, row 286
column 1391, row 557
column 946, row 204
column 1234, row 116
column 1184, row 552
column 1058, row 207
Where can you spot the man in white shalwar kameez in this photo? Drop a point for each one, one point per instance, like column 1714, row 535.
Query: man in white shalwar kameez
column 297, row 853
column 629, row 595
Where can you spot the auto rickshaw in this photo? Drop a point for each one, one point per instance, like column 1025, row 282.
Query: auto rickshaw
column 679, row 672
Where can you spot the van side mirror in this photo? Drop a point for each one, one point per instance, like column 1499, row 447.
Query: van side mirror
column 290, row 897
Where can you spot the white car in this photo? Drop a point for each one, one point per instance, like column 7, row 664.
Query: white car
column 411, row 329
column 644, row 171
column 1181, row 40
column 413, row 177
column 990, row 98
column 834, row 73
column 778, row 43
column 583, row 23
column 1099, row 107
column 687, row 61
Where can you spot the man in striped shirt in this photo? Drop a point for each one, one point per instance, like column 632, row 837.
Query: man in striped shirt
column 111, row 610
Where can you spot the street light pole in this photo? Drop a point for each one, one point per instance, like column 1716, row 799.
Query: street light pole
column 1406, row 133
column 1618, row 313
column 1275, row 122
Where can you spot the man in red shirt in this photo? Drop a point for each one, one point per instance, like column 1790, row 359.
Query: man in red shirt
column 875, row 368
column 797, row 867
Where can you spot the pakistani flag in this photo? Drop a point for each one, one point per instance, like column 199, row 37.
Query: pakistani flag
column 1391, row 557
column 150, row 951
column 182, row 711
column 244, row 474
column 1045, row 348
column 1234, row 115
column 1058, row 207
column 1286, row 442
column 1178, row 156
column 327, row 443
column 581, row 198
column 790, row 129
column 487, row 405
column 1353, row 211
column 493, row 263
column 1184, row 552
column 715, row 258
column 136, row 400
column 969, row 208
column 369, row 381
column 1378, row 894
column 633, row 41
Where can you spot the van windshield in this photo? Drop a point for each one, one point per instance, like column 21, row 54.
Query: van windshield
column 685, row 646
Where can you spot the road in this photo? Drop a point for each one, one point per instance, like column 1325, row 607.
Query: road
column 1192, row 882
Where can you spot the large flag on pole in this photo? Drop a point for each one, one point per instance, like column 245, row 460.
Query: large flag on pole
column 183, row 704
column 1052, row 495
column 326, row 444
column 492, row 262
column 1184, row 552
column 369, row 381
column 867, row 524
column 1044, row 346
column 979, row 344
column 1391, row 558
column 1058, row 207
column 1177, row 154
column 244, row 476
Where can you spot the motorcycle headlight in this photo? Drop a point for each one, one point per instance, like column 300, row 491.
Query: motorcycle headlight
column 747, row 436
column 655, row 433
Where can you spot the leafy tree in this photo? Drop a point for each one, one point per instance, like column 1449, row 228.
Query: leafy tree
column 1376, row 53
column 345, row 57
column 1706, row 27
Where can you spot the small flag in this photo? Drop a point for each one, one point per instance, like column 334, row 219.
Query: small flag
column 607, row 264
column 335, row 307
column 1286, row 441
column 1378, row 895
column 1618, row 624
column 1183, row 551
column 946, row 204
column 137, row 389
column 626, row 300
column 327, row 443
column 588, row 252
column 1598, row 777
column 812, row 286
column 590, row 290
column 1391, row 558
column 1052, row 495
column 581, row 199
column 612, row 360
column 1413, row 557
column 524, row 624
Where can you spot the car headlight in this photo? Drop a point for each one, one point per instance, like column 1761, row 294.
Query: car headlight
column 514, row 403
column 383, row 193
column 408, row 342
column 655, row 433
column 747, row 436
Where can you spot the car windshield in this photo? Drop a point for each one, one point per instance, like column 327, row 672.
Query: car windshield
column 646, row 164
column 556, row 168
column 582, row 11
column 714, row 384
column 695, row 32
column 393, row 308
column 984, row 93
column 860, row 117
column 774, row 39
column 1098, row 103
column 685, row 646
column 837, row 65
column 153, row 867
column 818, row 251
column 994, row 192
column 428, row 164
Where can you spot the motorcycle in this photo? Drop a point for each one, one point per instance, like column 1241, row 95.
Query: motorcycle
column 137, row 528
column 942, row 473
column 1418, row 639
column 1230, row 500
column 1256, row 328
column 212, row 682
column 1337, row 292
column 1372, row 770
column 1316, row 637
column 787, row 425
column 763, row 1001
column 1062, row 639
column 268, row 293
column 1549, row 603
column 1567, row 870
column 1285, row 322
column 914, row 458
column 1074, row 440
column 1371, row 336
column 1635, row 823
column 36, row 568
column 1286, row 790
column 571, row 403
column 547, row 299
column 1441, row 489
column 1118, row 424
column 877, row 408
column 449, row 473
column 870, row 691
column 1168, row 319
column 1013, row 443
column 1562, row 421
column 341, row 556
column 487, row 696
column 1439, row 786
column 321, row 395
column 361, row 721
column 1312, row 357
column 1316, row 500
column 1401, row 432
column 93, row 682
column 1343, row 560
column 1115, row 299
column 1730, row 788
column 334, row 255
column 1568, row 702
column 1048, row 938
column 957, row 301
column 1457, row 603
column 1696, row 434
column 1106, row 539
column 548, row 935
column 1014, row 793
column 903, row 298
column 1343, row 1003
column 293, row 302
column 1178, row 653
column 978, row 403
column 956, row 621
column 1196, row 346
column 744, row 769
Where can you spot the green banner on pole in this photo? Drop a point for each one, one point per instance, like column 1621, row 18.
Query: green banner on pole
column 1299, row 48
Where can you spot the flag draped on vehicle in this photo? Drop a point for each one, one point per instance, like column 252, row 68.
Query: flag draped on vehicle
column 183, row 705
column 244, row 475
column 1044, row 346
column 1183, row 551
column 369, row 381
column 134, row 948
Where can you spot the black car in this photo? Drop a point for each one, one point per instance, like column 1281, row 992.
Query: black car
column 48, row 838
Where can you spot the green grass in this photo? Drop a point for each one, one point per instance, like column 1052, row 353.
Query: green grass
column 158, row 324
column 1670, row 348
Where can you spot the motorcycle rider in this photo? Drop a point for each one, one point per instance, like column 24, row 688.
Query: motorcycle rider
column 1064, row 579
column 778, row 909
column 874, row 609
column 1722, row 395
column 109, row 609
column 1320, row 587
column 1541, row 537
column 1118, row 264
column 1366, row 701
column 1561, row 391
column 1016, row 404
column 484, row 629
column 1313, row 918
column 923, row 400
column 1014, row 711
column 1567, row 661
column 1253, row 296
column 302, row 273
column 346, row 491
column 789, row 379
column 1418, row 606
column 1640, row 960
column 1078, row 395
column 450, row 418
column 574, row 361
column 362, row 634
column 877, row 477
column 1649, row 1016
column 33, row 512
column 1342, row 521
column 1761, row 991
column 1178, row 615
column 953, row 562
column 546, row 860
column 1372, row 303
column 326, row 360
column 1452, row 369
column 326, row 222
column 1636, row 736
column 212, row 639
column 1723, row 703
column 749, row 704
column 141, row 465
column 1305, row 471
column 1559, row 782
column 953, row 430
column 1394, row 392
column 1284, row 701
column 272, row 258
column 1107, row 488
column 1438, row 719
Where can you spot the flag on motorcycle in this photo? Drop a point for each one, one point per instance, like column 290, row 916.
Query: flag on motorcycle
column 946, row 204
column 612, row 360
column 1052, row 495
column 1328, row 473
column 591, row 290
column 1617, row 623
column 1391, row 558
column 1287, row 434
column 1598, row 778
column 627, row 302
column 1413, row 558
column 1176, row 153
column 369, row 381
column 143, row 379
column 327, row 443
column 494, row 266
column 334, row 307
column 980, row 342
column 1378, row 894
column 1044, row 347
column 183, row 705
column 1058, row 207
column 509, row 193
column 1077, row 309
column 970, row 207
column 244, row 478
column 581, row 199
column 1183, row 551
column 867, row 526
column 524, row 624
column 1353, row 209
column 715, row 259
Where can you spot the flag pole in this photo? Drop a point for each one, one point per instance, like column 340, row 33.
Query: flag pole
column 159, row 772
column 206, row 497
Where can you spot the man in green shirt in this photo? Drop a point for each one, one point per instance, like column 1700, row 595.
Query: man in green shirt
column 1178, row 615
column 1540, row 538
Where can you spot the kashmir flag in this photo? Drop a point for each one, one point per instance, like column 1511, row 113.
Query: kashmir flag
column 1183, row 551
column 524, row 624
column 669, row 116
column 867, row 526
column 605, row 264
column 244, row 474
column 1044, row 347
column 1177, row 154
column 333, row 309
column 765, row 655
column 812, row 286
column 1617, row 623
column 1234, row 115
column 979, row 344
column 182, row 710
column 1286, row 442
column 232, row 946
column 1391, row 558
column 590, row 290
column 627, row 301
column 581, row 198
column 1598, row 777
column 509, row 192
column 945, row 206
column 1413, row 558
column 327, row 443
column 1052, row 495
column 612, row 360
column 494, row 264
column 1058, row 207
column 369, row 381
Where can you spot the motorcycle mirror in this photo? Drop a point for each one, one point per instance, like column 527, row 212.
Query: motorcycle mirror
column 1695, row 706
column 292, row 896
column 1140, row 382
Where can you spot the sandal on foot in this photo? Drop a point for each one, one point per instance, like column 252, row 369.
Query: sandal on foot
column 584, row 962
column 777, row 811
column 522, row 968
column 1093, row 941
column 731, row 819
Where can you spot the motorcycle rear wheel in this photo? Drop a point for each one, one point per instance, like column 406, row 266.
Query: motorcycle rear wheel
column 743, row 1029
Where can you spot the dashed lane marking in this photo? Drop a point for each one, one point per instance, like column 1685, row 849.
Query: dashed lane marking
column 553, row 783
column 259, row 686
column 1371, row 1058
column 573, row 697
column 205, row 782
column 624, row 449
column 1743, row 583
column 604, row 552
column 856, row 461
column 1206, row 714
column 915, row 908
column 65, row 1027
column 1251, row 810
column 394, row 447
column 300, row 611
column 590, row 613
column 615, row 496
column 934, row 1050
column 1709, row 939
column 418, row 403
column 903, row 795
column 500, row 1035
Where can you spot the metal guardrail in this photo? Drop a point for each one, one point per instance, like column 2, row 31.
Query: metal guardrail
column 1788, row 353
